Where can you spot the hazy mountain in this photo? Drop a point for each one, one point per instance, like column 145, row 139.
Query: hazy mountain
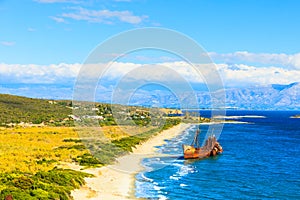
column 275, row 97
column 270, row 97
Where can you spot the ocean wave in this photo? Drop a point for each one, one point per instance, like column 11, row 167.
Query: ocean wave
column 157, row 188
column 183, row 185
column 145, row 189
column 182, row 171
column 177, row 164
column 174, row 178
column 225, row 122
column 238, row 117
column 231, row 170
column 144, row 178
column 162, row 197
column 185, row 170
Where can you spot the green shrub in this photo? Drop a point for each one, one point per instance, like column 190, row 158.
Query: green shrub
column 53, row 184
column 87, row 160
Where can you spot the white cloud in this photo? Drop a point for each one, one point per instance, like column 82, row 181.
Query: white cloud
column 38, row 73
column 292, row 61
column 122, row 0
column 104, row 16
column 243, row 75
column 113, row 71
column 57, row 1
column 235, row 75
column 71, row 1
column 7, row 43
column 30, row 29
column 58, row 19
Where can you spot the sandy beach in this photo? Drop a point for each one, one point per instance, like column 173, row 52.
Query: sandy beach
column 117, row 181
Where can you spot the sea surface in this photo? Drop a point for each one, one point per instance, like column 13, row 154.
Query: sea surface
column 261, row 160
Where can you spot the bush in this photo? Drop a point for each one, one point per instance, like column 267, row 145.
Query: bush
column 87, row 160
column 53, row 184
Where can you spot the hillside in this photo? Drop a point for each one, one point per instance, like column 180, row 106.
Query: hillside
column 271, row 97
column 16, row 109
column 268, row 97
column 29, row 111
column 34, row 158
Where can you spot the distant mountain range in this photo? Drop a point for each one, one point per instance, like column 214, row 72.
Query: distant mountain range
column 270, row 97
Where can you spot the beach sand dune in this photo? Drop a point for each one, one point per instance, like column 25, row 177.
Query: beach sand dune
column 117, row 181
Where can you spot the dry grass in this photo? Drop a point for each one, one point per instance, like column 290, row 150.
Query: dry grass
column 118, row 132
column 33, row 149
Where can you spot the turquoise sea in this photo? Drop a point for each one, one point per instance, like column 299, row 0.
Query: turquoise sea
column 261, row 160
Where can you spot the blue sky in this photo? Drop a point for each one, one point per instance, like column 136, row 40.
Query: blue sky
column 47, row 31
column 252, row 42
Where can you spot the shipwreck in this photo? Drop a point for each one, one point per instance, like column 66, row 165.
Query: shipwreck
column 194, row 151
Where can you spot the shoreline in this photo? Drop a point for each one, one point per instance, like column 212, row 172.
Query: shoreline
column 117, row 181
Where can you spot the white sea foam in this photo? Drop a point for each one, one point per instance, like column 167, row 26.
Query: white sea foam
column 157, row 188
column 146, row 178
column 177, row 164
column 238, row 117
column 184, row 170
column 174, row 178
column 183, row 185
column 225, row 122
column 143, row 188
column 162, row 197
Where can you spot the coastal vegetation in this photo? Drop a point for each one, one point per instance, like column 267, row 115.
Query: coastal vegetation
column 34, row 149
column 53, row 184
column 16, row 109
column 37, row 136
column 127, row 143
column 28, row 160
column 30, row 156
column 30, row 112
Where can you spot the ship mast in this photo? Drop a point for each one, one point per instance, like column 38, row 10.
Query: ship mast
column 195, row 142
